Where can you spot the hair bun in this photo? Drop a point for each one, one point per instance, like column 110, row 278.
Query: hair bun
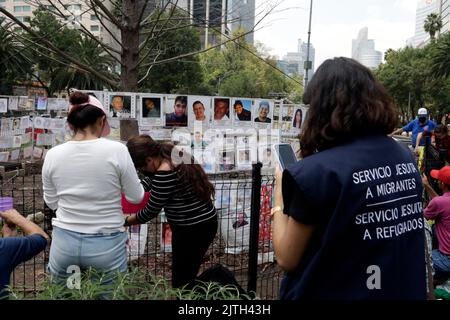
column 78, row 97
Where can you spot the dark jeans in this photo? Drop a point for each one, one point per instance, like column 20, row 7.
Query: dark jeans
column 189, row 245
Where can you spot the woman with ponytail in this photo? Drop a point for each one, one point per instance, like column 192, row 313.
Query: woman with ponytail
column 186, row 195
column 83, row 180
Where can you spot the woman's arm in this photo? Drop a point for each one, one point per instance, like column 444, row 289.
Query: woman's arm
column 290, row 238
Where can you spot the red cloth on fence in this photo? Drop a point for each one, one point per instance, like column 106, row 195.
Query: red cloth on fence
column 265, row 229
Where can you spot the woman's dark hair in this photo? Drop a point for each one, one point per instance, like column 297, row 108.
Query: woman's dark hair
column 143, row 146
column 345, row 100
column 238, row 102
column 82, row 115
column 198, row 102
column 294, row 122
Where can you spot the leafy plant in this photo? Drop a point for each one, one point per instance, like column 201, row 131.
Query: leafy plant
column 134, row 285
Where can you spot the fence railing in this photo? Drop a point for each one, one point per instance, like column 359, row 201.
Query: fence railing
column 243, row 243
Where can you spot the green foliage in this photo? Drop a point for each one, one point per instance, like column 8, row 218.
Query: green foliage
column 240, row 70
column 433, row 24
column 182, row 75
column 15, row 64
column 134, row 285
column 441, row 57
column 409, row 76
column 52, row 69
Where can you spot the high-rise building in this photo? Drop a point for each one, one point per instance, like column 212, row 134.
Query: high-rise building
column 241, row 15
column 444, row 10
column 77, row 15
column 363, row 50
column 424, row 8
column 294, row 62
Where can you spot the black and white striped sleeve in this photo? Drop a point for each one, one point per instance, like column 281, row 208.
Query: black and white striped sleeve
column 161, row 190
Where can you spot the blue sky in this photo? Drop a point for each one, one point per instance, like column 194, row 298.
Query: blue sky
column 335, row 24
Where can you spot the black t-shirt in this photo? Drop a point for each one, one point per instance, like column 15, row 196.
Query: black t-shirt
column 364, row 199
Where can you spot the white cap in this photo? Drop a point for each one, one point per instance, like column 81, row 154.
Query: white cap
column 422, row 112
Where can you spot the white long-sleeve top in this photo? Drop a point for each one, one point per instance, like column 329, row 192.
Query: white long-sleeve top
column 83, row 180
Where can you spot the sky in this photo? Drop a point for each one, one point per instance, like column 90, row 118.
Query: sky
column 334, row 24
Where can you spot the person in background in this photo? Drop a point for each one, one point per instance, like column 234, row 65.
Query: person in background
column 440, row 139
column 15, row 250
column 336, row 232
column 417, row 126
column 178, row 118
column 297, row 122
column 439, row 210
column 186, row 195
column 83, row 180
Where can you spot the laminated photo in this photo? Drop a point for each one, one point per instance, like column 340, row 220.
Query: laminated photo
column 181, row 137
column 199, row 111
column 3, row 105
column 165, row 235
column 58, row 104
column 265, row 155
column 244, row 159
column 121, row 105
column 38, row 122
column 6, row 126
column 57, row 124
column 4, row 156
column 17, row 141
column 13, row 103
column 175, row 111
column 41, row 103
column 208, row 160
column 25, row 122
column 100, row 95
column 46, row 123
column 26, row 138
column 150, row 110
column 27, row 152
column 227, row 160
column 242, row 111
column 15, row 154
column 263, row 113
column 37, row 153
column 221, row 109
column 23, row 103
column 16, row 124
column 6, row 142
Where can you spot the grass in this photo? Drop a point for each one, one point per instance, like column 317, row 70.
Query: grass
column 134, row 285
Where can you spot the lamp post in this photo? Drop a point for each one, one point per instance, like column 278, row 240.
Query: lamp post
column 308, row 64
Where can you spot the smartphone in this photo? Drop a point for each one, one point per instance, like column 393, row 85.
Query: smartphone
column 284, row 154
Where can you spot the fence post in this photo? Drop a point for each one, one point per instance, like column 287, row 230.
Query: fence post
column 254, row 227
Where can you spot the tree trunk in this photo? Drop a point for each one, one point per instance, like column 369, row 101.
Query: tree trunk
column 130, row 41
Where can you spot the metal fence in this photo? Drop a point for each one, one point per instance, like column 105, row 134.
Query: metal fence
column 243, row 242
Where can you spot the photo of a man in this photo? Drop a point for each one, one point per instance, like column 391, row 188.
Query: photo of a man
column 178, row 118
column 221, row 109
column 119, row 106
column 151, row 107
column 263, row 112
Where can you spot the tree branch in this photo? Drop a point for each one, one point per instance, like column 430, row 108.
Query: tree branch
column 81, row 66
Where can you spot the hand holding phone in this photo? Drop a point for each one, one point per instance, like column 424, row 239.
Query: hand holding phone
column 285, row 154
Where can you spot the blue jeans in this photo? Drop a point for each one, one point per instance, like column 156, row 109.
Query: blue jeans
column 441, row 264
column 72, row 250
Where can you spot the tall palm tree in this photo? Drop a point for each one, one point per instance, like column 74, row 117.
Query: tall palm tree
column 90, row 53
column 13, row 61
column 433, row 24
column 440, row 65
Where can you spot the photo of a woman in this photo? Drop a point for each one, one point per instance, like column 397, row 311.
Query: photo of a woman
column 297, row 122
